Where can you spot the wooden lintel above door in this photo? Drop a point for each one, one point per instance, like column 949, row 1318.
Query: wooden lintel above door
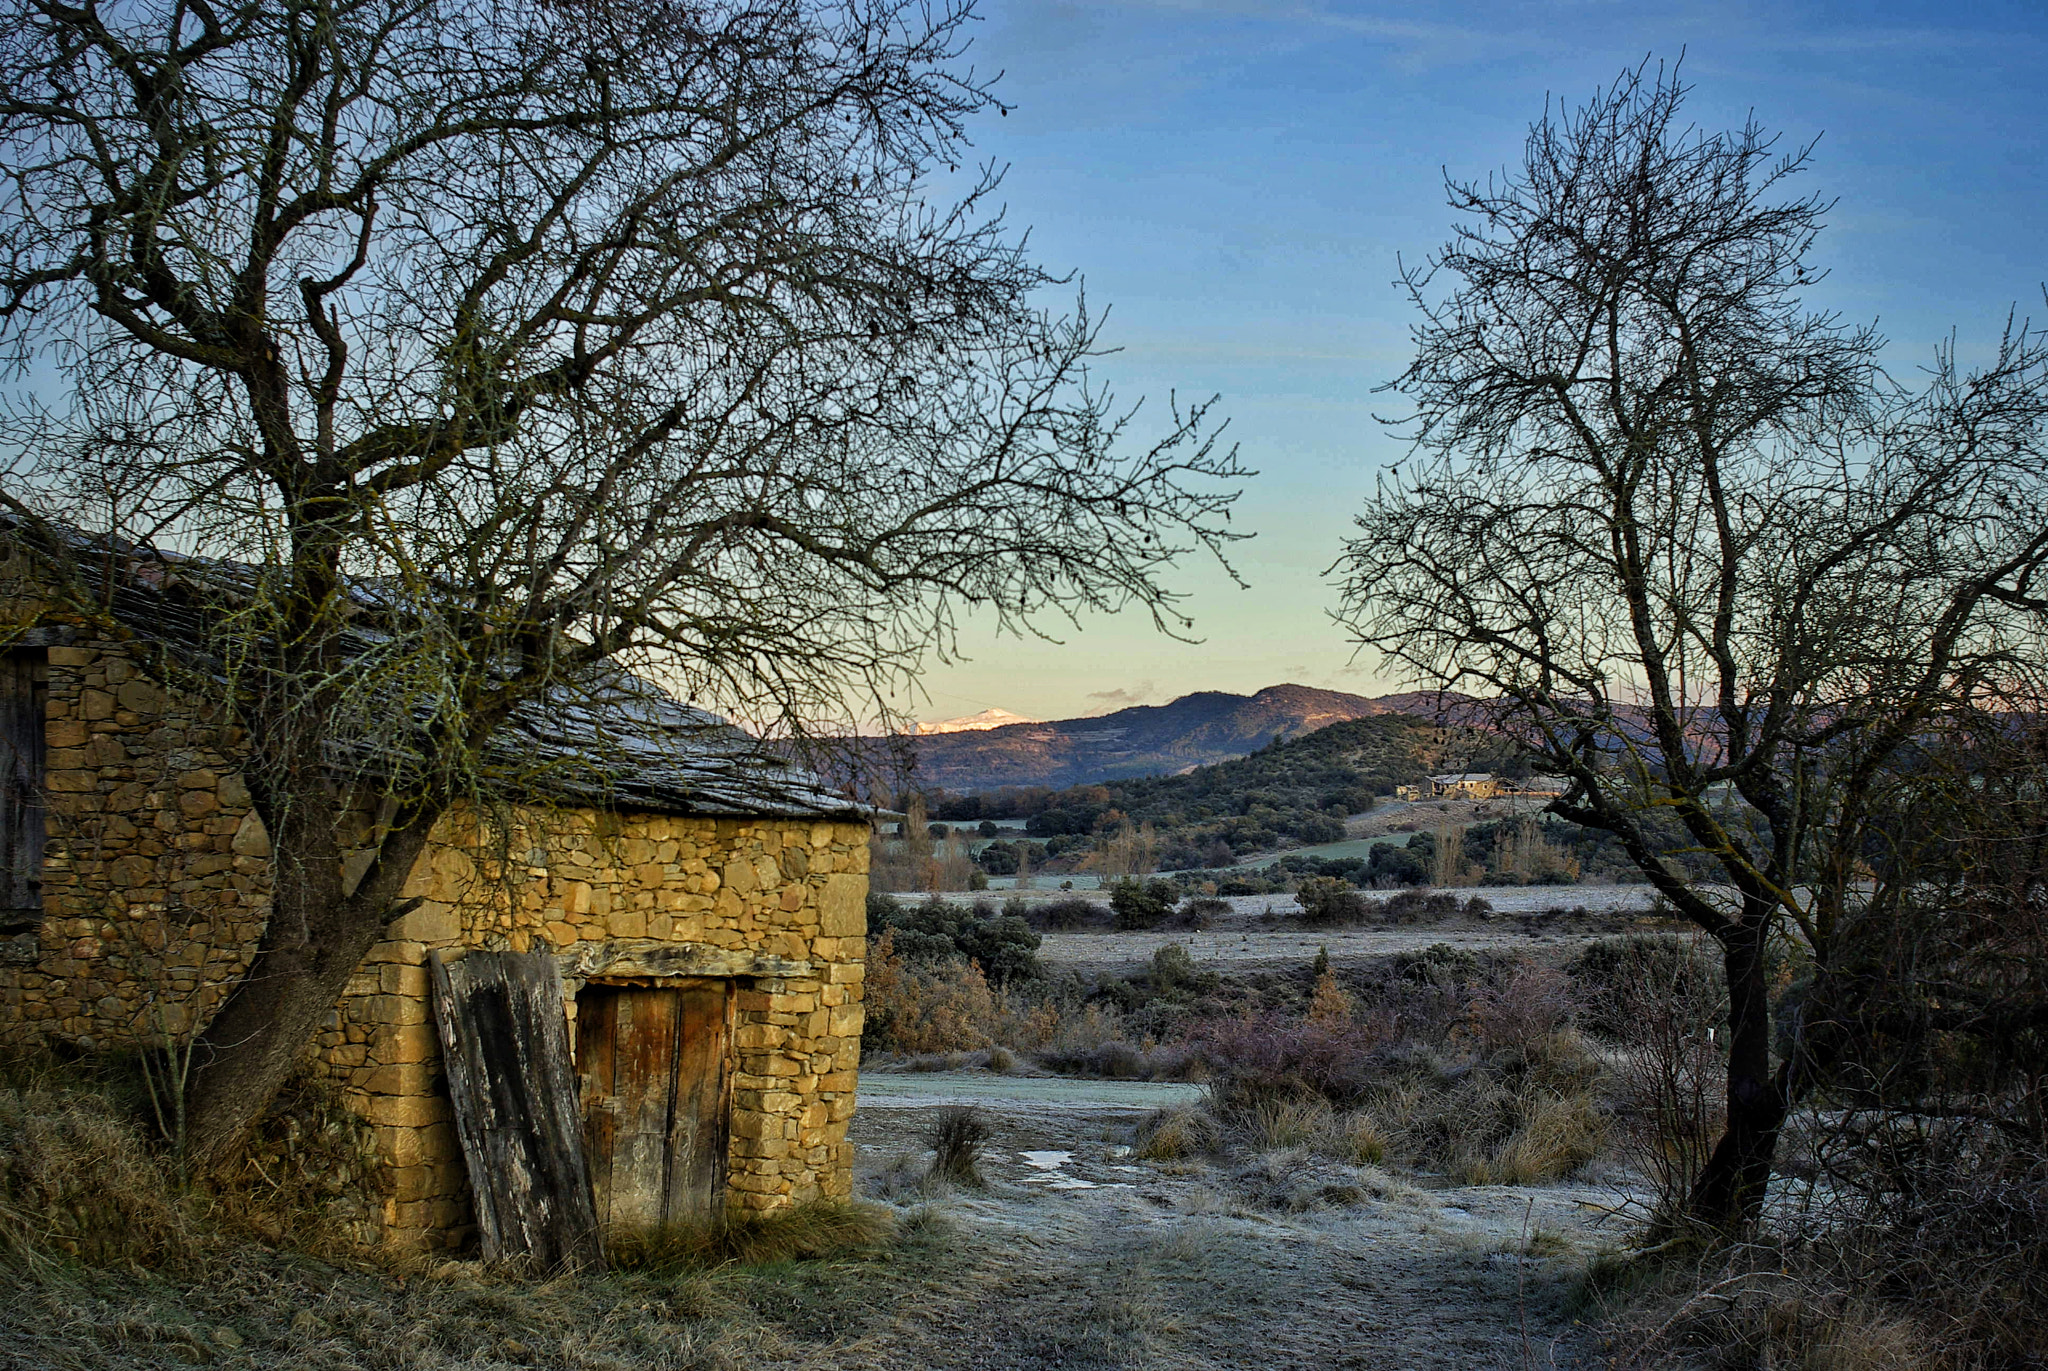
column 625, row 959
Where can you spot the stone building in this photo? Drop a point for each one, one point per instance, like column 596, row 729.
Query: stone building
column 705, row 917
column 1465, row 785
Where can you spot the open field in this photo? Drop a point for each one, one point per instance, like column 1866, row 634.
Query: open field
column 1246, row 940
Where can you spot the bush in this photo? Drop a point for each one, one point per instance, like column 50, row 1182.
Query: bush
column 934, row 931
column 1533, row 1003
column 1255, row 1061
column 1136, row 904
column 1327, row 901
column 1069, row 911
column 923, row 1006
column 1202, row 911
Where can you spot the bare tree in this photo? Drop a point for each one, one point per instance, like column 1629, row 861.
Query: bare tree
column 536, row 335
column 1709, row 562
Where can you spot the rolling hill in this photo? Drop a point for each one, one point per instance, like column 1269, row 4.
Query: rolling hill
column 1145, row 740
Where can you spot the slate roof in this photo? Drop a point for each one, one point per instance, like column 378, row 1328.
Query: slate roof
column 612, row 739
column 634, row 747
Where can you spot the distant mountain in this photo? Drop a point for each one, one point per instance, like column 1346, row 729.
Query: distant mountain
column 976, row 723
column 1145, row 740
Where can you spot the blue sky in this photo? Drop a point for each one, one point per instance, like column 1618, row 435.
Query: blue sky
column 1235, row 180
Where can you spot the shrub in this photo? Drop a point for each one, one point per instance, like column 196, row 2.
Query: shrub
column 935, row 931
column 1657, row 998
column 1326, row 900
column 1172, row 968
column 918, row 1006
column 1139, row 904
column 1252, row 1061
column 1202, row 911
column 1069, row 911
column 1533, row 1003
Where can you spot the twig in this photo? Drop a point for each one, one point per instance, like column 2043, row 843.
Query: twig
column 1522, row 1281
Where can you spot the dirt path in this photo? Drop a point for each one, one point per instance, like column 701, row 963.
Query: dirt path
column 1076, row 1256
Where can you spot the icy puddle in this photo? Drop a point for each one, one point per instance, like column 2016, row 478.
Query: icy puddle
column 1050, row 1175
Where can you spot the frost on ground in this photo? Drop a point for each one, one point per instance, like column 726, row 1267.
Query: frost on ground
column 1074, row 1255
column 1247, row 939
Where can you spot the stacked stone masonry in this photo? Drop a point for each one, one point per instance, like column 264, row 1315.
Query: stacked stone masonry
column 157, row 884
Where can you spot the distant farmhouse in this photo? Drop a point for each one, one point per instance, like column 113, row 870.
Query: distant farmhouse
column 1463, row 785
column 1480, row 785
column 697, row 924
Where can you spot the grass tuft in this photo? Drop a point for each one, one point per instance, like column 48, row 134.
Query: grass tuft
column 958, row 1137
column 806, row 1232
column 77, row 1180
column 1171, row 1134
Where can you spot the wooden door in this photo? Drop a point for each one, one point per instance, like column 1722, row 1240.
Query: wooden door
column 23, row 691
column 651, row 1062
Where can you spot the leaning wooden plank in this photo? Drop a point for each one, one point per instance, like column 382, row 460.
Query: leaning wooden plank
column 505, row 1042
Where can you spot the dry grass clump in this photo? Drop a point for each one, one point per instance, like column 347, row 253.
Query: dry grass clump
column 1483, row 1080
column 1275, row 1125
column 77, row 1179
column 958, row 1137
column 1173, row 1134
column 1362, row 1140
column 1524, row 1116
column 307, row 1177
column 806, row 1232
column 1758, row 1306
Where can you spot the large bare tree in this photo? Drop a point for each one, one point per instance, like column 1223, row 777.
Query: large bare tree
column 535, row 335
column 1706, row 559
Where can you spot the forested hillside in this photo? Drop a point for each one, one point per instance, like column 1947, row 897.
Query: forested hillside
column 1298, row 790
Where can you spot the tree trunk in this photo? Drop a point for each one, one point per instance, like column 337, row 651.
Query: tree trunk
column 1729, row 1192
column 315, row 939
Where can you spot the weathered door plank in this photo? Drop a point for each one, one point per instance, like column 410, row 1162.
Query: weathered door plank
column 22, row 824
column 699, row 1134
column 505, row 1043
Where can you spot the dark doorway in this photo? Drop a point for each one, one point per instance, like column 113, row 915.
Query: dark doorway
column 651, row 1066
column 24, row 693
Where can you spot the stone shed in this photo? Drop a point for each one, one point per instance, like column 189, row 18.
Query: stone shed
column 704, row 920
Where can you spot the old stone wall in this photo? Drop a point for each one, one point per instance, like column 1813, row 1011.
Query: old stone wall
column 779, row 905
column 157, row 885
column 156, row 882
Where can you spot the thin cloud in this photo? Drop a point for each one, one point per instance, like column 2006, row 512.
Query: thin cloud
column 1113, row 700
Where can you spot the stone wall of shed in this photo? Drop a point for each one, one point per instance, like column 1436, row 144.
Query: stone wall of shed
column 156, row 878
column 157, row 885
column 782, row 903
